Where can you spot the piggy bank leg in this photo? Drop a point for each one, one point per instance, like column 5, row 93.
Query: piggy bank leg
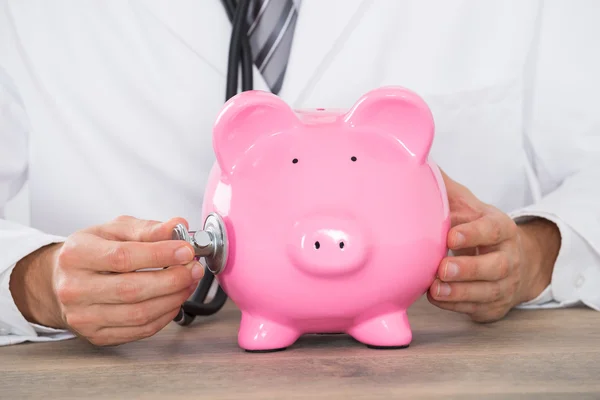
column 258, row 334
column 390, row 330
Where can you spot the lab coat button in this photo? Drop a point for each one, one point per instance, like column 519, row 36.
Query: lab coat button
column 580, row 281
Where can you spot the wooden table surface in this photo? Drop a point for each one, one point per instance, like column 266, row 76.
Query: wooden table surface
column 549, row 354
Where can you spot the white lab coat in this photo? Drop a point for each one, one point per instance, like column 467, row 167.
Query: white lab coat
column 107, row 109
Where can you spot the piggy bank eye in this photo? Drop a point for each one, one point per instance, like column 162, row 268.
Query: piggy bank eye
column 295, row 160
column 353, row 158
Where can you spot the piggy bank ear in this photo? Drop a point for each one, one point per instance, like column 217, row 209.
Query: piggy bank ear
column 246, row 118
column 397, row 112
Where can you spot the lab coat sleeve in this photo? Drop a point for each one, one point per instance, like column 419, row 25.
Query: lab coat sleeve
column 16, row 240
column 563, row 134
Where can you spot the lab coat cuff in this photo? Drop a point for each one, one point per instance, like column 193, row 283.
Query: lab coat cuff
column 13, row 322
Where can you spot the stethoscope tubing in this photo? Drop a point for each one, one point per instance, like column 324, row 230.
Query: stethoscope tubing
column 239, row 53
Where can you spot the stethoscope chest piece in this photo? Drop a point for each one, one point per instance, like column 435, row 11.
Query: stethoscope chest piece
column 210, row 243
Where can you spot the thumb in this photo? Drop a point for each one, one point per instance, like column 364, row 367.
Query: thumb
column 464, row 205
column 453, row 186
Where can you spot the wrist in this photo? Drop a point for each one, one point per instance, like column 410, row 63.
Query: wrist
column 540, row 246
column 32, row 288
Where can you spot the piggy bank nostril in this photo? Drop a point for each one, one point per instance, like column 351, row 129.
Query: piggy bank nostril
column 317, row 245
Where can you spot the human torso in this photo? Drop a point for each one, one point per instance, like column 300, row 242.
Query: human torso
column 122, row 96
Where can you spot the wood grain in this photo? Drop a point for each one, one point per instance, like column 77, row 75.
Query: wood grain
column 543, row 354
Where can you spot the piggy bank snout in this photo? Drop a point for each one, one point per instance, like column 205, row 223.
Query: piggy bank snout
column 328, row 245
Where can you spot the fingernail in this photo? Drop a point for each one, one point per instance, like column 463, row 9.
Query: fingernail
column 197, row 271
column 459, row 239
column 443, row 289
column 451, row 270
column 184, row 255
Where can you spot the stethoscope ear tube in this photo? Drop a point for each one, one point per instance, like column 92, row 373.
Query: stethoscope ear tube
column 238, row 45
column 214, row 231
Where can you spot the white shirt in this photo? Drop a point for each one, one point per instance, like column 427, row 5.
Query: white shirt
column 107, row 109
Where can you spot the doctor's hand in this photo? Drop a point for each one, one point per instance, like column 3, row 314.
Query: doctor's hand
column 497, row 264
column 89, row 284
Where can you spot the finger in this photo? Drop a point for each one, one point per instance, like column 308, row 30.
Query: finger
column 88, row 288
column 125, row 334
column 488, row 230
column 127, row 228
column 462, row 213
column 478, row 312
column 492, row 313
column 86, row 320
column 137, row 287
column 462, row 307
column 478, row 292
column 130, row 315
column 98, row 254
column 486, row 267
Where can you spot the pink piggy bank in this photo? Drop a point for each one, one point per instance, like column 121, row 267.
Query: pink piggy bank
column 336, row 221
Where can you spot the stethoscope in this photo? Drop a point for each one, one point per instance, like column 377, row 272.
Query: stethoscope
column 210, row 243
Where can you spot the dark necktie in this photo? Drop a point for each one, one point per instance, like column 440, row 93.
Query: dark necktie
column 271, row 26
